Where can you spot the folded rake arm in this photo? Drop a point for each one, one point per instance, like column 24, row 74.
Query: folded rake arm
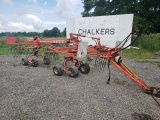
column 113, row 56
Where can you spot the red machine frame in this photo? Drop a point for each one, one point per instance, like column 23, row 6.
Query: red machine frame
column 112, row 55
column 69, row 52
column 36, row 42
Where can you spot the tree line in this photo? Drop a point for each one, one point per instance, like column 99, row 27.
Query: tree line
column 55, row 32
column 146, row 12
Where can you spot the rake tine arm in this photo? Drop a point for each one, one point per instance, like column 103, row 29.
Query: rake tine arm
column 131, row 75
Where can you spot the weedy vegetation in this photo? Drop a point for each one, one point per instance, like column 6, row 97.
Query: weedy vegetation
column 147, row 44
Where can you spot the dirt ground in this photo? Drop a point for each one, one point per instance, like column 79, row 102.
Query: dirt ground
column 35, row 93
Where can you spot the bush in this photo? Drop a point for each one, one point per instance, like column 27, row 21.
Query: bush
column 149, row 42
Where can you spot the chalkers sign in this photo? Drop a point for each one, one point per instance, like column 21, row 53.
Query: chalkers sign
column 102, row 31
column 111, row 29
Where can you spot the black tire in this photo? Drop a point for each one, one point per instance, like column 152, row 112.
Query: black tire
column 46, row 60
column 24, row 62
column 34, row 63
column 77, row 65
column 84, row 68
column 74, row 72
column 57, row 71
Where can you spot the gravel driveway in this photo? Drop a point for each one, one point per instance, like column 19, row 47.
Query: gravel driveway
column 34, row 93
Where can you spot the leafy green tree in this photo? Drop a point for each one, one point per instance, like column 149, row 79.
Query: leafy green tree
column 146, row 12
column 63, row 34
column 88, row 5
column 55, row 32
column 45, row 33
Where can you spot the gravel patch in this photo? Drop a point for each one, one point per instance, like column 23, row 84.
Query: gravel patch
column 35, row 93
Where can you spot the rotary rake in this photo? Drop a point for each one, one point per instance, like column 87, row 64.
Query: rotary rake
column 103, row 55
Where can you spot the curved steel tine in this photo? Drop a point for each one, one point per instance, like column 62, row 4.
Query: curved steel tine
column 47, row 55
column 19, row 51
column 14, row 51
column 104, row 64
column 98, row 63
column 53, row 55
column 27, row 52
column 50, row 58
column 57, row 58
column 101, row 64
column 54, row 62
column 53, row 59
column 95, row 61
column 99, row 67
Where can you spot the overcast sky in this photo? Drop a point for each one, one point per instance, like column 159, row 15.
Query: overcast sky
column 37, row 15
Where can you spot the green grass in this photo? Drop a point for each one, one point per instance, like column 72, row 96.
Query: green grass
column 141, row 56
column 149, row 61
column 148, row 45
column 149, row 42
column 144, row 61
column 141, row 53
column 158, row 64
column 3, row 47
column 6, row 49
column 15, row 65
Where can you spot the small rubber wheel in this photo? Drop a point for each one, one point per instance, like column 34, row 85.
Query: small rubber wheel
column 74, row 72
column 34, row 63
column 46, row 60
column 76, row 64
column 84, row 68
column 57, row 71
column 24, row 61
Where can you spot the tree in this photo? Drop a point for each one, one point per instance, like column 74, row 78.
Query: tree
column 63, row 34
column 88, row 5
column 55, row 32
column 45, row 33
column 146, row 12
